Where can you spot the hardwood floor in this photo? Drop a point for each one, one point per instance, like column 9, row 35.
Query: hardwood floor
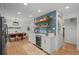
column 33, row 50
column 23, row 47
column 16, row 48
column 68, row 49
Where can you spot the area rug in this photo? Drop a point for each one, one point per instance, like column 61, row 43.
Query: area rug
column 30, row 49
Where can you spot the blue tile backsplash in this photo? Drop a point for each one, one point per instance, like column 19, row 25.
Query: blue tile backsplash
column 52, row 23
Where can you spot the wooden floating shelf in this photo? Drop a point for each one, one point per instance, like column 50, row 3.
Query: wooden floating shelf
column 41, row 21
column 41, row 26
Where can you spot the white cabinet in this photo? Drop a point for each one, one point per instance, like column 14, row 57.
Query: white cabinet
column 32, row 37
column 48, row 44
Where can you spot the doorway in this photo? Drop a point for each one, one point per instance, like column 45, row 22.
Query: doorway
column 70, row 32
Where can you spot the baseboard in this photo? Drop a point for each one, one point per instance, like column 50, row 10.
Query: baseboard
column 40, row 48
column 70, row 43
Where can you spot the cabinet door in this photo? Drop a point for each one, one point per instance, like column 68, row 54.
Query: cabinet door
column 43, row 44
column 46, row 45
column 53, row 45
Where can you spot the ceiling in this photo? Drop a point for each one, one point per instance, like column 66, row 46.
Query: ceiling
column 12, row 9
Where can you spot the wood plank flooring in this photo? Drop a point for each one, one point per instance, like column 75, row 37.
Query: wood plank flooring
column 33, row 50
column 23, row 47
column 68, row 49
column 16, row 48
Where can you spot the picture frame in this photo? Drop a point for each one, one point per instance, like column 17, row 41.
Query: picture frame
column 15, row 23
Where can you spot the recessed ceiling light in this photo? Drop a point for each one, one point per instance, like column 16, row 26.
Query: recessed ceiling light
column 25, row 4
column 39, row 10
column 19, row 13
column 67, row 7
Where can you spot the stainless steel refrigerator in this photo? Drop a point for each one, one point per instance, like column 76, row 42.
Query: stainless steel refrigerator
column 3, row 35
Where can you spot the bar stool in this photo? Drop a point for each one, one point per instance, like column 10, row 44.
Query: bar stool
column 19, row 36
column 24, row 35
column 12, row 37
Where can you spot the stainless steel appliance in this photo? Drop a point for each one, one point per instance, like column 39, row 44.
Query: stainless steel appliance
column 3, row 35
column 38, row 40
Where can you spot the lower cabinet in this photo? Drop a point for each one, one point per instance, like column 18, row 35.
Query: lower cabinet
column 48, row 44
column 32, row 37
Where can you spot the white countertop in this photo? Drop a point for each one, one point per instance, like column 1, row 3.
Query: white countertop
column 50, row 35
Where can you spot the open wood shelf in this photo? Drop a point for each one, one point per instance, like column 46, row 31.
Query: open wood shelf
column 41, row 21
column 41, row 26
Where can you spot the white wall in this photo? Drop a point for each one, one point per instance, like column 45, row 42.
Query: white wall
column 10, row 20
column 71, row 16
column 59, row 33
column 31, row 33
column 70, row 31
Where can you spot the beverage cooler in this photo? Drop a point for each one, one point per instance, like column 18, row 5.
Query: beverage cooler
column 3, row 35
column 38, row 40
